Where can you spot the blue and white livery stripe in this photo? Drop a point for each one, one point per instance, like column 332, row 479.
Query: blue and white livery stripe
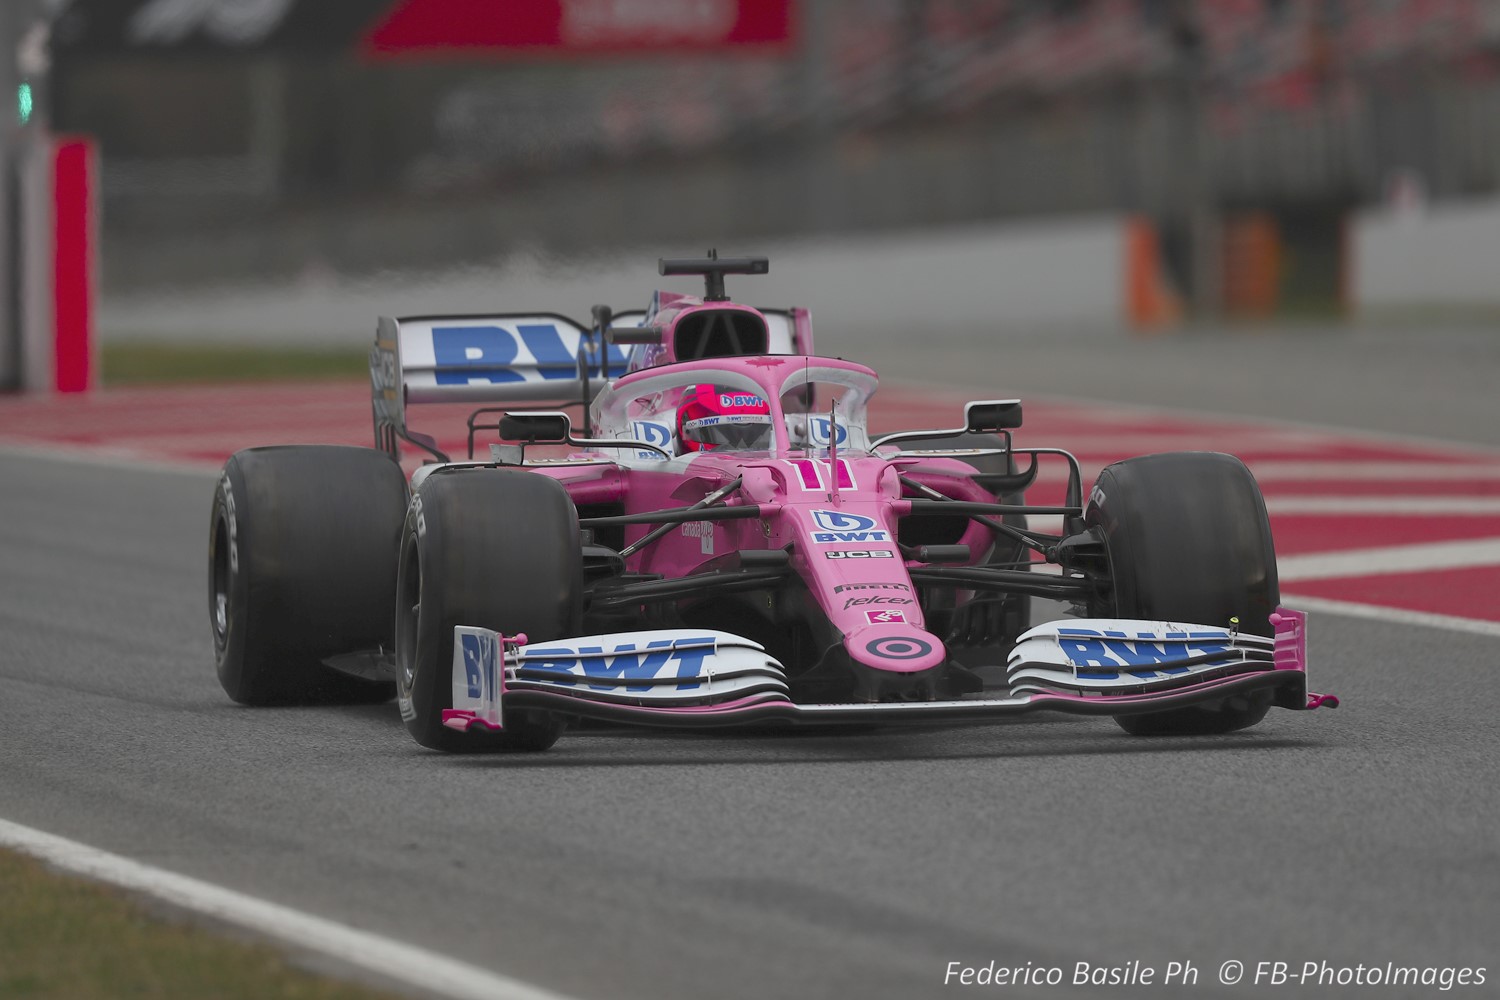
column 652, row 432
column 1104, row 655
column 662, row 667
column 476, row 358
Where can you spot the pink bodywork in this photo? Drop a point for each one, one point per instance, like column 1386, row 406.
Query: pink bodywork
column 795, row 489
column 1291, row 650
column 834, row 507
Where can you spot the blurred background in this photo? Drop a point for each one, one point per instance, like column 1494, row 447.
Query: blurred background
column 282, row 170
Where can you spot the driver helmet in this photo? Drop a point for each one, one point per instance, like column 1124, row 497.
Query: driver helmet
column 712, row 417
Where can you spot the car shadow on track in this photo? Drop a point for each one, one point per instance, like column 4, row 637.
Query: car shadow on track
column 700, row 752
column 600, row 745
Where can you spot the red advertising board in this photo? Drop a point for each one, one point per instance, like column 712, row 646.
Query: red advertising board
column 576, row 27
column 73, row 249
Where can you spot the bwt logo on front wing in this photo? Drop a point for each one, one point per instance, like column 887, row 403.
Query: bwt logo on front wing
column 622, row 664
column 838, row 526
column 1115, row 650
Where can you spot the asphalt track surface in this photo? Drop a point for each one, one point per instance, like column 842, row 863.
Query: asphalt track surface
column 627, row 864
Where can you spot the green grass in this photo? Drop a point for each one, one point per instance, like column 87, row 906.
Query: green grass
column 148, row 362
column 69, row 939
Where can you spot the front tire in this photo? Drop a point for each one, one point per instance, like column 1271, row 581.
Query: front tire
column 1188, row 540
column 302, row 566
column 491, row 548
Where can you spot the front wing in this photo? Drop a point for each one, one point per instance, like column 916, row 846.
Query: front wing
column 703, row 678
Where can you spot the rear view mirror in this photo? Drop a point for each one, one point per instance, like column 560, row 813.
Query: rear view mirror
column 537, row 428
column 987, row 416
column 629, row 335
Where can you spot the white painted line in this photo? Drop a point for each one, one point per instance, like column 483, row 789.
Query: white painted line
column 1339, row 506
column 1396, row 506
column 1055, row 470
column 1087, row 406
column 1327, row 469
column 107, row 458
column 1430, row 556
column 383, row 956
column 1115, row 444
column 1397, row 616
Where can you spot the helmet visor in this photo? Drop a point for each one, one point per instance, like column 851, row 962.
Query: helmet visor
column 731, row 431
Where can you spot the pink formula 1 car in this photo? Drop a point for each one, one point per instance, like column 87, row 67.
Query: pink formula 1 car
column 715, row 539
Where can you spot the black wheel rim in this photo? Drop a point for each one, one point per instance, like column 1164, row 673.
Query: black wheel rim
column 408, row 610
column 219, row 583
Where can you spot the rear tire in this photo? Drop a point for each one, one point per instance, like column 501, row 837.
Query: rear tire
column 302, row 566
column 492, row 548
column 1188, row 540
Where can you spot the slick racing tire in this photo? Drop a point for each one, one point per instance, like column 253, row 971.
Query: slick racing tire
column 1188, row 540
column 982, row 632
column 493, row 548
column 302, row 566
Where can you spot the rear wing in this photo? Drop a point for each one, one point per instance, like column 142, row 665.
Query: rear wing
column 482, row 359
column 509, row 358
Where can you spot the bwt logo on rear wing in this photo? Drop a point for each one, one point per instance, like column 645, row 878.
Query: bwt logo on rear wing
column 491, row 358
column 507, row 358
